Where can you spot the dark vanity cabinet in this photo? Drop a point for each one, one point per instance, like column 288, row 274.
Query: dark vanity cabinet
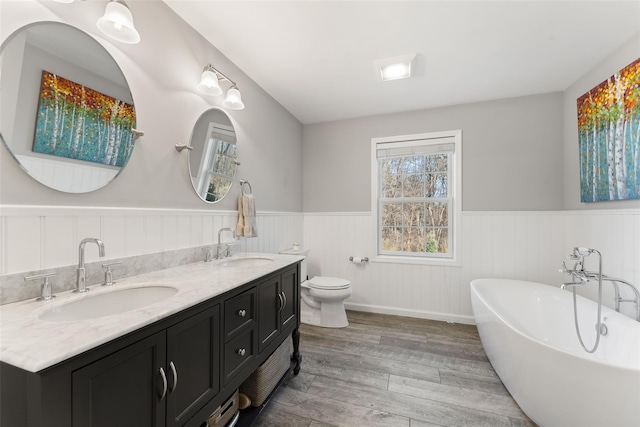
column 193, row 357
column 239, row 330
column 174, row 372
column 162, row 380
column 278, row 298
column 121, row 389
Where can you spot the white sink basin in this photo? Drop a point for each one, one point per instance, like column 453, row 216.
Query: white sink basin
column 248, row 261
column 108, row 303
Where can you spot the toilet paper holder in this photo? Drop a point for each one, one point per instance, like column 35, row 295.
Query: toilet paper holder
column 364, row 259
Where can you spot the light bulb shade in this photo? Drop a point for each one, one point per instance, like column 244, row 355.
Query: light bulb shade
column 117, row 23
column 209, row 84
column 233, row 100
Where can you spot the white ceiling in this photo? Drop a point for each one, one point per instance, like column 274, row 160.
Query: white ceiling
column 316, row 57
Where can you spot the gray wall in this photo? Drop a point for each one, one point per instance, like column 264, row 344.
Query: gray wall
column 627, row 53
column 512, row 154
column 163, row 71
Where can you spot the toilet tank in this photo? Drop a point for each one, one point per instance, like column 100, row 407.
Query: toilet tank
column 303, row 264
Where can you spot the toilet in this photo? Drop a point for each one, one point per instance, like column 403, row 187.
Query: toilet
column 322, row 297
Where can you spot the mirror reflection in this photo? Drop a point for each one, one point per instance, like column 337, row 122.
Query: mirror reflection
column 66, row 110
column 214, row 158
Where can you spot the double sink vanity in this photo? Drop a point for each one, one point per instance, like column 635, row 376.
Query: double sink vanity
column 164, row 348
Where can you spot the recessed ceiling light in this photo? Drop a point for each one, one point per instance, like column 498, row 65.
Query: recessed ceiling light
column 398, row 67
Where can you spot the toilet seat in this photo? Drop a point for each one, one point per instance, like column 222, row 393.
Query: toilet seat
column 328, row 283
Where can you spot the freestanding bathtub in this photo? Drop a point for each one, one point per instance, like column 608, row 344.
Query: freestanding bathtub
column 527, row 330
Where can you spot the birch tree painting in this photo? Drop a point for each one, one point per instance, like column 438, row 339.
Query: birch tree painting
column 609, row 138
column 79, row 123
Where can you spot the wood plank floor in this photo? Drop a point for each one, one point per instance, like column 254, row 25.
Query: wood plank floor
column 393, row 371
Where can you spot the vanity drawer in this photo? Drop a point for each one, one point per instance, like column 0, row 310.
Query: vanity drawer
column 239, row 313
column 238, row 353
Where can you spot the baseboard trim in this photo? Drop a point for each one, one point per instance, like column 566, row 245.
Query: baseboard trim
column 420, row 314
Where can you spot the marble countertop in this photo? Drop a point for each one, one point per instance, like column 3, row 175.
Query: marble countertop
column 33, row 344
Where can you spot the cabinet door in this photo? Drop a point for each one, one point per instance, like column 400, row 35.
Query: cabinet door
column 192, row 365
column 289, row 289
column 123, row 389
column 269, row 303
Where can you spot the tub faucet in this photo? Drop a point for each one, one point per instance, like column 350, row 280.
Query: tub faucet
column 572, row 284
column 577, row 273
column 81, row 285
column 227, row 253
column 580, row 276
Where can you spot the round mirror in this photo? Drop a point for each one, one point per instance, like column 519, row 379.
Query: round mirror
column 66, row 111
column 214, row 158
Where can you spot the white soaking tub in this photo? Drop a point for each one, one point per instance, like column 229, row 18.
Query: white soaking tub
column 528, row 332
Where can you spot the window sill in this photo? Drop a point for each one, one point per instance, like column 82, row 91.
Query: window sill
column 390, row 259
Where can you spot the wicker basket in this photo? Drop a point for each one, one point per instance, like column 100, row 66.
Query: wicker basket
column 224, row 413
column 264, row 379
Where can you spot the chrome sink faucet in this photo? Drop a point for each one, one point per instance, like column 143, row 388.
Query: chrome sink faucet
column 228, row 252
column 81, row 285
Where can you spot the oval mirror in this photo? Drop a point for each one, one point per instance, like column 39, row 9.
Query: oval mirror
column 66, row 111
column 214, row 158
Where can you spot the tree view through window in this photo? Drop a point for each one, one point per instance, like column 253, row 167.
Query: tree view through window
column 415, row 194
column 414, row 208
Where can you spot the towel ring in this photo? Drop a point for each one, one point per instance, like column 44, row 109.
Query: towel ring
column 242, row 184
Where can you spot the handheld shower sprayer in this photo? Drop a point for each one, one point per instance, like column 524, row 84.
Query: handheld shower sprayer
column 574, row 256
column 578, row 272
column 577, row 254
column 580, row 252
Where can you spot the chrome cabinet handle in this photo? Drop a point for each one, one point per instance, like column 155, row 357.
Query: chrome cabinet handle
column 164, row 383
column 280, row 302
column 241, row 351
column 175, row 376
column 284, row 297
column 242, row 312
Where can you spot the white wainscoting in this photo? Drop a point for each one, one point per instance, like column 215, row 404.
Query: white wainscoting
column 39, row 237
column 68, row 176
column 520, row 245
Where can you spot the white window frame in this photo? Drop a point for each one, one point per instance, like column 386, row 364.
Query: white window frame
column 455, row 189
column 216, row 133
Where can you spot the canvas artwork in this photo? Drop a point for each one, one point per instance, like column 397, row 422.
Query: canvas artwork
column 76, row 122
column 609, row 138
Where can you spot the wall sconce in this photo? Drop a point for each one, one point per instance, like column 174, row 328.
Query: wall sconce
column 210, row 85
column 117, row 23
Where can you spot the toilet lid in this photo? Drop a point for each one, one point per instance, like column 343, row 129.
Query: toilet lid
column 321, row 282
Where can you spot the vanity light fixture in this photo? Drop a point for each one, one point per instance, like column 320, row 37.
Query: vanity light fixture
column 398, row 67
column 117, row 23
column 210, row 85
column 233, row 99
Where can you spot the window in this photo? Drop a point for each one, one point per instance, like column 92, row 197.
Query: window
column 416, row 197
